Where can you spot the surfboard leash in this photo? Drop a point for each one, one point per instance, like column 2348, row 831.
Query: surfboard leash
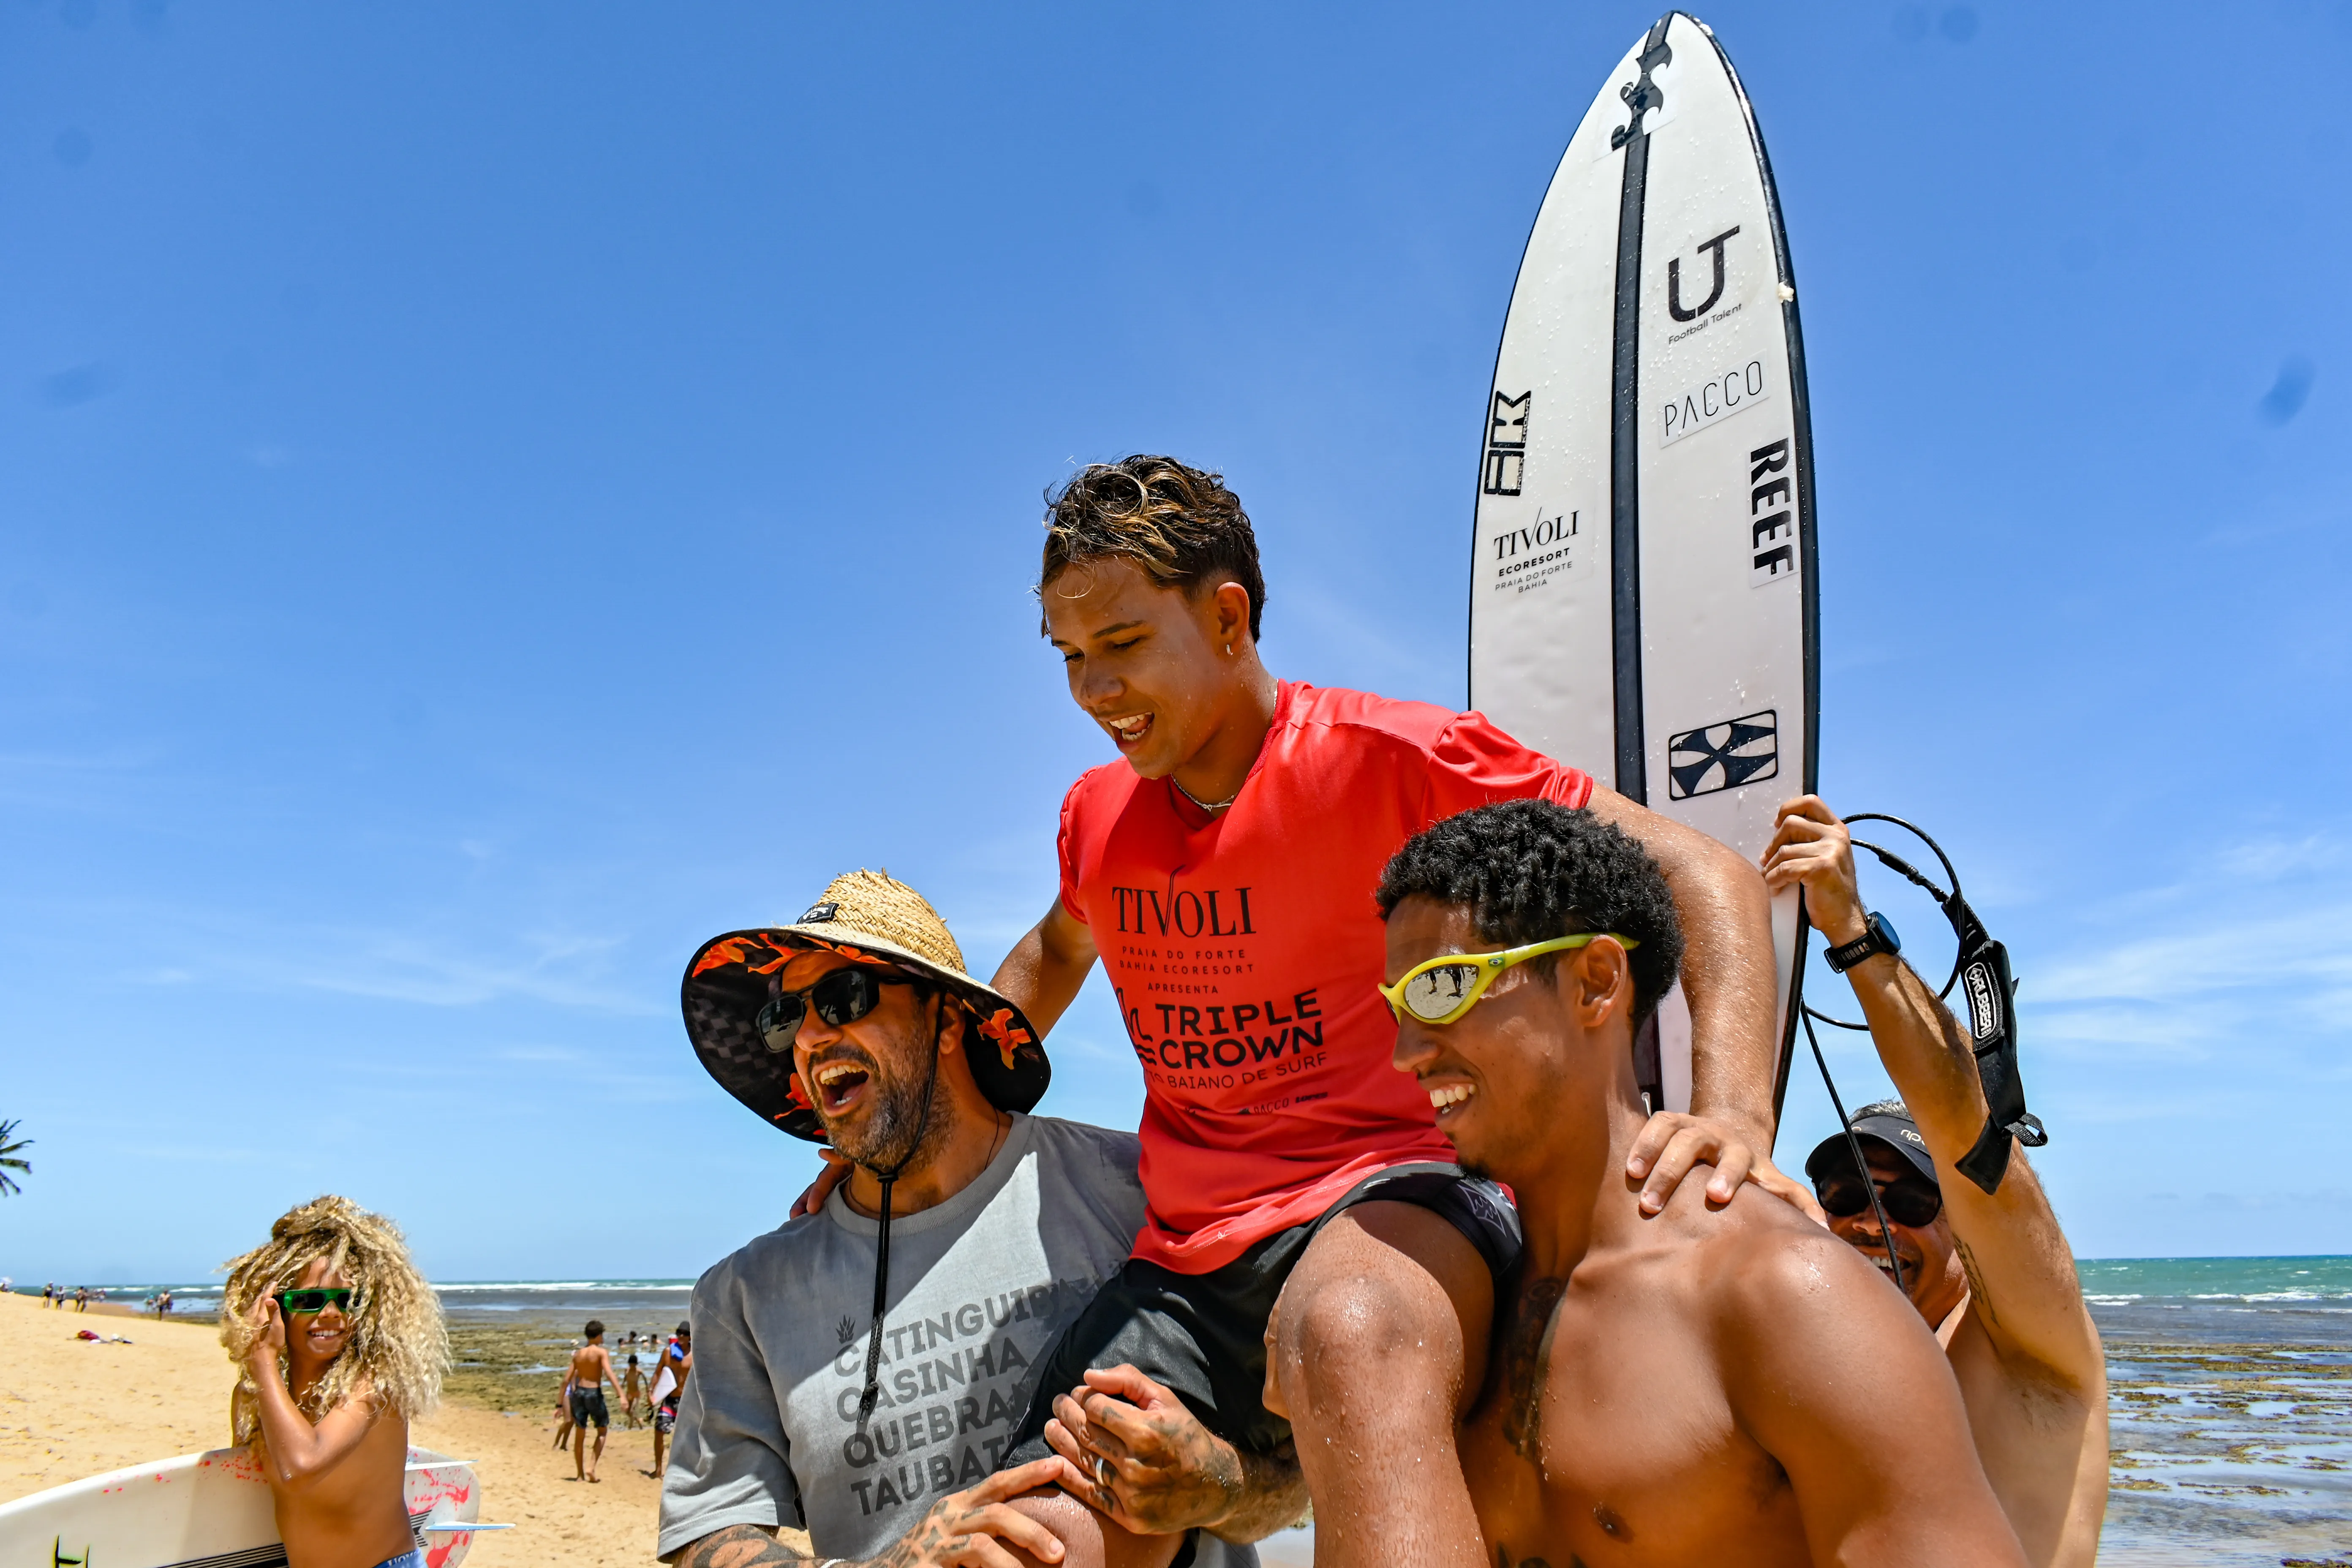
column 1982, row 964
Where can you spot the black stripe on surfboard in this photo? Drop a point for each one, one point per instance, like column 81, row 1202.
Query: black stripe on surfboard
column 1624, row 447
column 273, row 1555
column 1808, row 556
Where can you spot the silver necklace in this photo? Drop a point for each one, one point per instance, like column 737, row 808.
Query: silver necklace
column 1205, row 805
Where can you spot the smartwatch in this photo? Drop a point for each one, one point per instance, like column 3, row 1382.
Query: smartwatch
column 1877, row 937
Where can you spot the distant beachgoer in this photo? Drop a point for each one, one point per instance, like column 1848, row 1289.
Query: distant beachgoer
column 164, row 1307
column 82, row 1298
column 1990, row 1272
column 563, row 1412
column 1718, row 1385
column 340, row 1346
column 49, row 1294
column 592, row 1369
column 677, row 1361
column 633, row 1391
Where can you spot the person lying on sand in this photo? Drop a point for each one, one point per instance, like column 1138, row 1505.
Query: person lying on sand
column 860, row 1371
column 1733, row 1385
column 340, row 1346
column 1221, row 868
column 1991, row 1273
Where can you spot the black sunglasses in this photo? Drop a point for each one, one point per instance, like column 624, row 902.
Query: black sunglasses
column 842, row 998
column 1907, row 1200
column 310, row 1302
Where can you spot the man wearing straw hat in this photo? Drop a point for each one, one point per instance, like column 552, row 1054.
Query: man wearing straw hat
column 860, row 1372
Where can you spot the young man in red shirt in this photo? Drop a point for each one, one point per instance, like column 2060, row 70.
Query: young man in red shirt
column 1301, row 1200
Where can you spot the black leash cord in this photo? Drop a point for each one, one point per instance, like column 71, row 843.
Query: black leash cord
column 1853, row 1144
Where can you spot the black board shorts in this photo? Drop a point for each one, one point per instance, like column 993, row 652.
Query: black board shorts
column 588, row 1409
column 1203, row 1335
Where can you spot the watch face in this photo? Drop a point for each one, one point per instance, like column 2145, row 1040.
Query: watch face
column 1883, row 929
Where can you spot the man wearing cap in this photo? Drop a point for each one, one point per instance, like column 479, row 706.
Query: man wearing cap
column 860, row 1373
column 1990, row 1272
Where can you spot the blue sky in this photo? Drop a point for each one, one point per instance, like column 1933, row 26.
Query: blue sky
column 493, row 495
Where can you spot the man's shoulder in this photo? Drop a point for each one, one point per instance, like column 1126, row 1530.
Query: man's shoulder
column 1107, row 785
column 1756, row 1253
column 1085, row 1145
column 759, row 1258
column 1338, row 713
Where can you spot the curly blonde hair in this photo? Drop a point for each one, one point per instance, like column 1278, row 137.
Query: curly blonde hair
column 398, row 1349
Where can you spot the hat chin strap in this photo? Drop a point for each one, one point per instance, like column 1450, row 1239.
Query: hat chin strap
column 872, row 1391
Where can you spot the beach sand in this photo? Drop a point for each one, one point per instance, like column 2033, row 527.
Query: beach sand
column 70, row 1408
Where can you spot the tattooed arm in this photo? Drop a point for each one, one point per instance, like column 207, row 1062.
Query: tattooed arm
column 2021, row 1270
column 963, row 1529
column 1131, row 1448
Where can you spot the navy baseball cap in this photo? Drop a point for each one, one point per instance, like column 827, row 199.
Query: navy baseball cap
column 1888, row 1122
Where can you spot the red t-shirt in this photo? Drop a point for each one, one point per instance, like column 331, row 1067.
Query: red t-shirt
column 1245, row 948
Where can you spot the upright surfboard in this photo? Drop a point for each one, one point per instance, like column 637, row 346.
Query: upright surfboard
column 212, row 1510
column 1642, row 597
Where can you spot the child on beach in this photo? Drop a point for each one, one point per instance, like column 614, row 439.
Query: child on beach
column 633, row 1391
column 341, row 1343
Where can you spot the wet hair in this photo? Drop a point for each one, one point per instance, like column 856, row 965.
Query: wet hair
column 1528, row 870
column 1180, row 524
column 397, row 1349
column 595, row 1327
column 633, row 1358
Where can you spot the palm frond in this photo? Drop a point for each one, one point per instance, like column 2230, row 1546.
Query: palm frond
column 12, row 1158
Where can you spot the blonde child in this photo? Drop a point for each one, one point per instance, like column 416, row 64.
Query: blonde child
column 341, row 1345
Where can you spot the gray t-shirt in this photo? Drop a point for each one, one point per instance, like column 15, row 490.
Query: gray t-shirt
column 981, row 1287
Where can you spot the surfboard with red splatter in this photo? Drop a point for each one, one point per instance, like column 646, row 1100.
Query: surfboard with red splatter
column 212, row 1510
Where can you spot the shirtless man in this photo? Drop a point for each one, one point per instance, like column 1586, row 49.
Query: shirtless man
column 1674, row 1388
column 592, row 1369
column 1990, row 1272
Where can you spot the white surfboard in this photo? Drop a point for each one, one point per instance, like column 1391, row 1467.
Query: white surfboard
column 211, row 1510
column 1643, row 599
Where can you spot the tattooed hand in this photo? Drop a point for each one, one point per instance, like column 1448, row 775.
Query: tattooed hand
column 960, row 1531
column 962, row 1527
column 1133, row 1450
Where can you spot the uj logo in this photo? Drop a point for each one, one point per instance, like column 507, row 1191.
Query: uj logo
column 1724, row 756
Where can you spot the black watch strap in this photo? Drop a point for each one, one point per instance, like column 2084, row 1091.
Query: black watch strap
column 1877, row 936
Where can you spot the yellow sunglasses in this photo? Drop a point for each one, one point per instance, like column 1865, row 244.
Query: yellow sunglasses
column 1442, row 989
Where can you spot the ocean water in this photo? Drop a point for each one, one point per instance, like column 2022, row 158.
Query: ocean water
column 2230, row 1395
column 2229, row 1409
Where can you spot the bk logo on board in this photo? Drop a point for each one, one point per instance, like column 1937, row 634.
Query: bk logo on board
column 1724, row 756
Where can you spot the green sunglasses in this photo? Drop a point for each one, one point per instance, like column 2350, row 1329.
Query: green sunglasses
column 1442, row 989
column 309, row 1303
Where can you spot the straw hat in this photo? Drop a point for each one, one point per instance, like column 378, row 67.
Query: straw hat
column 865, row 916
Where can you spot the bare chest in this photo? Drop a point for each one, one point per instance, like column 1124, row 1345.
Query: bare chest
column 1604, row 1439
